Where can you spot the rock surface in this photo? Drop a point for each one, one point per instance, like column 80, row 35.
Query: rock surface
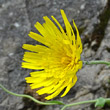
column 17, row 18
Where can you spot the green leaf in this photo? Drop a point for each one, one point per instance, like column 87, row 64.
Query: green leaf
column 108, row 102
column 56, row 102
column 100, row 102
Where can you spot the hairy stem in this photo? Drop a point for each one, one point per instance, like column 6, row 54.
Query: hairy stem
column 83, row 102
column 27, row 96
column 96, row 62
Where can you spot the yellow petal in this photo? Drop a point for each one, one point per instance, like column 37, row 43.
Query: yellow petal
column 69, row 86
column 57, row 92
column 69, row 29
column 78, row 43
column 38, row 74
column 31, row 66
column 39, row 38
column 34, row 80
column 45, row 82
column 36, row 48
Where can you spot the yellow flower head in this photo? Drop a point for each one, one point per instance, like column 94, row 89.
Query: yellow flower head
column 57, row 62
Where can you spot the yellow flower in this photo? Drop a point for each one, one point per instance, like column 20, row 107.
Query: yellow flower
column 57, row 62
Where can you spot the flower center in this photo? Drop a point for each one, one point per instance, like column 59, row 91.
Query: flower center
column 65, row 60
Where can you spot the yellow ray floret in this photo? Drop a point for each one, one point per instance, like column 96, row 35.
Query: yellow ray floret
column 57, row 61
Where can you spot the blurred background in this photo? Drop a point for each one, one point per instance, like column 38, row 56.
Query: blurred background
column 17, row 19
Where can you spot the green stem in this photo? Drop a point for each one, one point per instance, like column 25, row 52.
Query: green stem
column 83, row 102
column 27, row 96
column 45, row 103
column 96, row 62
